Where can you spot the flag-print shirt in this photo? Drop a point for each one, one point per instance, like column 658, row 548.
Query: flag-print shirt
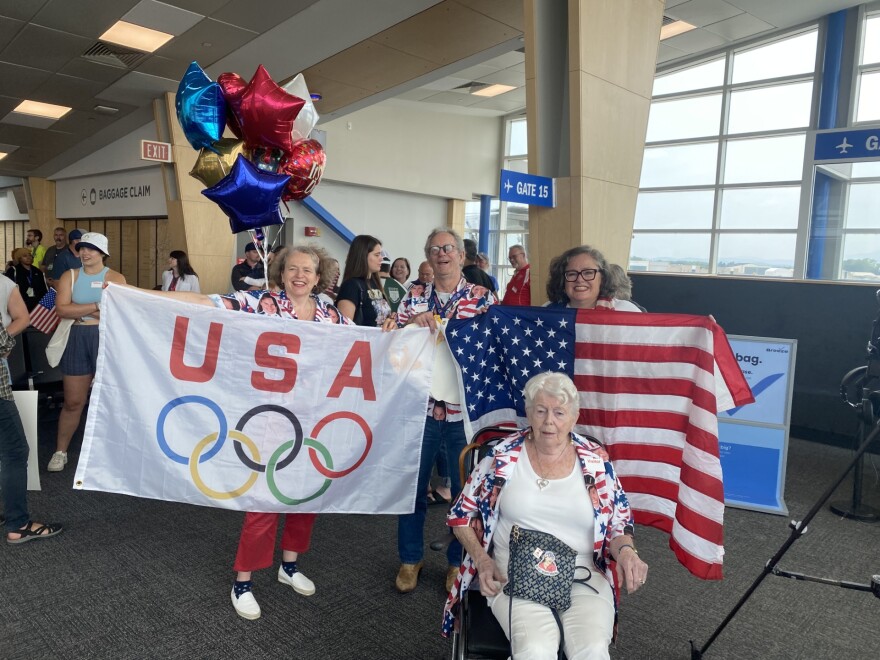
column 249, row 301
column 477, row 506
column 465, row 302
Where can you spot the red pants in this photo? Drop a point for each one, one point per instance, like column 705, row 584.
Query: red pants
column 257, row 543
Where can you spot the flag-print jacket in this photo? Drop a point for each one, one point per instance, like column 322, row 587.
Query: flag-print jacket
column 477, row 506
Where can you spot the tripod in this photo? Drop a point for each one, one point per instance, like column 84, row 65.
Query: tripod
column 869, row 428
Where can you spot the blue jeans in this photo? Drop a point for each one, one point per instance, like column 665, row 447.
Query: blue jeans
column 13, row 466
column 411, row 527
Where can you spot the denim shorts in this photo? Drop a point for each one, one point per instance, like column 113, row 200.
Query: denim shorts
column 81, row 353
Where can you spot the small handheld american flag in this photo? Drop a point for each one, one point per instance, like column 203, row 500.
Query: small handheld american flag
column 44, row 317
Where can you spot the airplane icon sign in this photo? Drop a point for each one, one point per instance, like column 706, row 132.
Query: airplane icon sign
column 844, row 146
column 508, row 185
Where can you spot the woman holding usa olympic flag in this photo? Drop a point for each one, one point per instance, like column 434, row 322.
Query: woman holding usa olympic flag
column 302, row 271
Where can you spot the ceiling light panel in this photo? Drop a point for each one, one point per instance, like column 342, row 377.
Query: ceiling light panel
column 493, row 90
column 38, row 109
column 674, row 29
column 135, row 36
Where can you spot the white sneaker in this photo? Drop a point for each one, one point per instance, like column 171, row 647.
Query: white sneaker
column 300, row 583
column 246, row 605
column 58, row 461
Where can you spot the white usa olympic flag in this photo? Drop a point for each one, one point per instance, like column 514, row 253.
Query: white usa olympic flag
column 226, row 409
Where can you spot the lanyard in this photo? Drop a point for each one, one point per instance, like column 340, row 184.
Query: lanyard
column 446, row 311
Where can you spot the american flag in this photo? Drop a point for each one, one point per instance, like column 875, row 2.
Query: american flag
column 650, row 387
column 43, row 317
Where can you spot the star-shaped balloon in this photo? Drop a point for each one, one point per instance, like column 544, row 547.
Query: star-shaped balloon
column 233, row 86
column 307, row 118
column 249, row 196
column 266, row 113
column 214, row 163
column 201, row 108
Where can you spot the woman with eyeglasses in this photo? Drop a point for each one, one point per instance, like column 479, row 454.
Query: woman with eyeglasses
column 580, row 278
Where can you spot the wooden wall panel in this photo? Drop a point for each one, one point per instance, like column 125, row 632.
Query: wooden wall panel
column 128, row 252
column 113, row 232
column 163, row 247
column 146, row 254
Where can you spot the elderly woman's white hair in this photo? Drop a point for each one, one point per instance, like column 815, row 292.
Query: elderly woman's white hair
column 555, row 385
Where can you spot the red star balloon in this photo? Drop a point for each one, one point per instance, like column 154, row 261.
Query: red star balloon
column 305, row 167
column 233, row 86
column 266, row 113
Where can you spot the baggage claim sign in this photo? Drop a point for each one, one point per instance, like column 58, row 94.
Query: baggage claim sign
column 131, row 193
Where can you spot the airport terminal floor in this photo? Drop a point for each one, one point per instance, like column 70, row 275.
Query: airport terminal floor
column 134, row 578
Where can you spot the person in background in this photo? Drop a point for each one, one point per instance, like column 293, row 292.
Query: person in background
column 622, row 286
column 385, row 267
column 14, row 452
column 59, row 236
column 361, row 297
column 484, row 264
column 425, row 274
column 29, row 278
column 397, row 285
column 242, row 270
column 328, row 295
column 79, row 297
column 473, row 273
column 519, row 288
column 68, row 258
column 579, row 278
column 548, row 478
column 179, row 276
column 450, row 296
column 33, row 240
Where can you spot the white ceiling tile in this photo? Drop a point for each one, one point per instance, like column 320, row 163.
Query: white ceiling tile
column 696, row 41
column 665, row 53
column 674, row 3
column 453, row 98
column 475, row 72
column 447, row 83
column 136, row 88
column 162, row 17
column 739, row 27
column 417, row 94
column 507, row 59
column 500, row 103
column 704, row 12
column 31, row 121
column 506, row 77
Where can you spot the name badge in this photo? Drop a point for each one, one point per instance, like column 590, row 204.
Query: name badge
column 97, row 285
column 418, row 308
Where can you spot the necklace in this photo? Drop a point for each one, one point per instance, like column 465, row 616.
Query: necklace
column 541, row 481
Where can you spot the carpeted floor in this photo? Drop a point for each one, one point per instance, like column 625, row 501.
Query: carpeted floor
column 134, row 578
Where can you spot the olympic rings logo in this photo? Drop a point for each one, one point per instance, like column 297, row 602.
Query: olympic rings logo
column 206, row 448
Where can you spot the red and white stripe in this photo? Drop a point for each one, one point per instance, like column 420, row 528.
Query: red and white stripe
column 44, row 320
column 651, row 385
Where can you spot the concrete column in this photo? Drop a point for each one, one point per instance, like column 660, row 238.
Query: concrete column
column 587, row 129
column 195, row 223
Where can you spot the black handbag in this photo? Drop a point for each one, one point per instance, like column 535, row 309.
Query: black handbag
column 540, row 568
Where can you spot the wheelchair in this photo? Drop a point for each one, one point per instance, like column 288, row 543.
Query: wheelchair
column 479, row 636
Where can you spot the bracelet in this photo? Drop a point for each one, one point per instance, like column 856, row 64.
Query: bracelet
column 626, row 545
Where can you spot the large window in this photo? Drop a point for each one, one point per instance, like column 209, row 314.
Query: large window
column 868, row 101
column 724, row 159
column 508, row 222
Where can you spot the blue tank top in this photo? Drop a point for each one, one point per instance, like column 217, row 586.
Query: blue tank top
column 83, row 291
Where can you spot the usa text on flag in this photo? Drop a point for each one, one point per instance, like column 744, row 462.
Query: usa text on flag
column 650, row 387
column 206, row 406
column 44, row 317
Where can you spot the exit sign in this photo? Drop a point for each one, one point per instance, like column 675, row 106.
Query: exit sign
column 151, row 150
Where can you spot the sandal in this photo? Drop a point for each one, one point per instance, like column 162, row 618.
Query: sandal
column 436, row 498
column 29, row 534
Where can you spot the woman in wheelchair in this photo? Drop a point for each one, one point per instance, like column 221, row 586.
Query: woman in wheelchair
column 547, row 479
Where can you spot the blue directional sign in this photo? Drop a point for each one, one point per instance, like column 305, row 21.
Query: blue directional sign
column 527, row 189
column 848, row 144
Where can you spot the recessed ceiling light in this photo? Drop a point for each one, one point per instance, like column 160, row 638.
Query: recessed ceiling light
column 674, row 29
column 493, row 90
column 3, row 155
column 136, row 36
column 38, row 109
column 106, row 109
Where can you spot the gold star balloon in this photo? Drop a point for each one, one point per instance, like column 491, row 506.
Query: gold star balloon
column 214, row 163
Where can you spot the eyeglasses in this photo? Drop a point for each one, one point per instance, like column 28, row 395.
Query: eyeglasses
column 434, row 250
column 589, row 274
column 513, row 257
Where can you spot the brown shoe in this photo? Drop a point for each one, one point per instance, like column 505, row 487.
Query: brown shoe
column 451, row 574
column 408, row 577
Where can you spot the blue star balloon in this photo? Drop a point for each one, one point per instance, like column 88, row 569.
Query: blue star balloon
column 201, row 108
column 249, row 196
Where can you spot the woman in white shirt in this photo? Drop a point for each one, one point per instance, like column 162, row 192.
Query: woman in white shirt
column 180, row 276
